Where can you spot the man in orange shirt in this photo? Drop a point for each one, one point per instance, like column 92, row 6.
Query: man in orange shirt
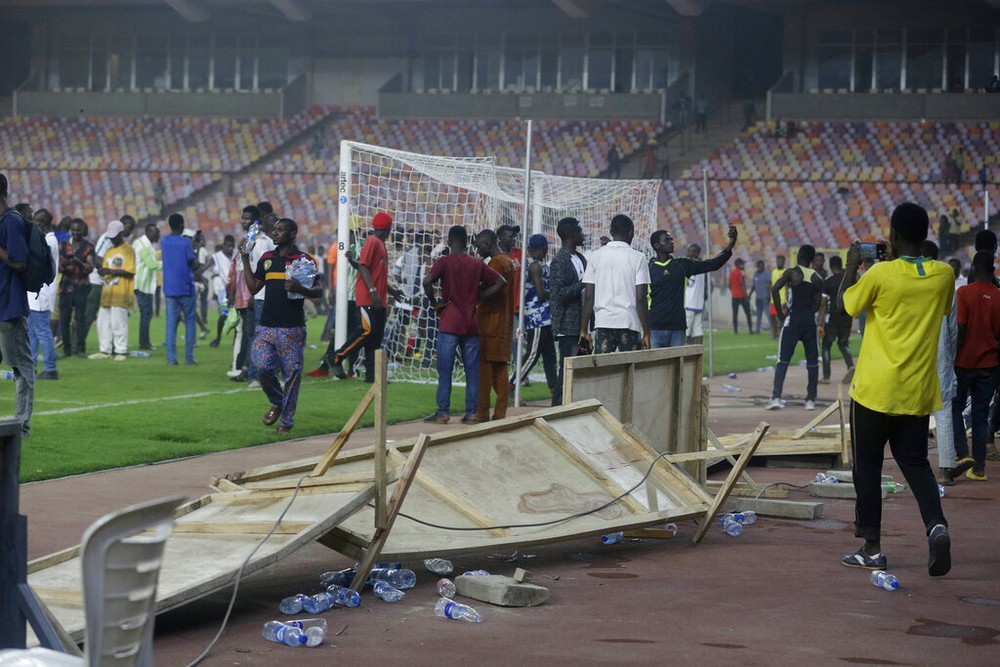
column 496, row 330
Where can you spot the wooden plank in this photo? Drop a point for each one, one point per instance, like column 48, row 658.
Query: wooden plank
column 567, row 448
column 381, row 377
column 223, row 484
column 438, row 489
column 638, row 357
column 392, row 510
column 845, row 445
column 817, row 420
column 53, row 596
column 241, row 527
column 326, row 460
column 250, row 497
column 326, row 480
column 727, row 486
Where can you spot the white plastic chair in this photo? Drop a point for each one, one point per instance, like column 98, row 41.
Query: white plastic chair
column 121, row 557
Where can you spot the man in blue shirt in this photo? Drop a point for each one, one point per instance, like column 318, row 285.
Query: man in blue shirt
column 179, row 264
column 14, row 349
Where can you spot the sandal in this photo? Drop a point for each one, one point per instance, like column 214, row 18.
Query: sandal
column 271, row 415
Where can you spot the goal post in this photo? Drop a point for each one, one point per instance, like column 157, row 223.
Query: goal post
column 426, row 195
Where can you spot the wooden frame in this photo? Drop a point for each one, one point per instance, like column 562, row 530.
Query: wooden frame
column 656, row 391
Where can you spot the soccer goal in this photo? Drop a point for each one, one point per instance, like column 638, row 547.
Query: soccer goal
column 427, row 195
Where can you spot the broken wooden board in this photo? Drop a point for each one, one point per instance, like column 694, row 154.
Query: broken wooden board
column 501, row 479
column 212, row 537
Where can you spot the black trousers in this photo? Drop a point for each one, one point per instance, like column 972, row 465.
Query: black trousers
column 568, row 347
column 367, row 335
column 743, row 303
column 839, row 330
column 73, row 318
column 907, row 438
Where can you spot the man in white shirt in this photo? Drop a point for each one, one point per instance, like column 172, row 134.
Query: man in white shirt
column 41, row 305
column 146, row 265
column 694, row 299
column 615, row 284
column 221, row 263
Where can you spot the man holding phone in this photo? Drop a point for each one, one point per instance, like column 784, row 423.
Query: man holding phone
column 895, row 386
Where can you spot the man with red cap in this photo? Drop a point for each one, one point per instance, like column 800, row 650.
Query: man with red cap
column 371, row 293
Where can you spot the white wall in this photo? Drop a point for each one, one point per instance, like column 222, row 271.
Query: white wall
column 352, row 81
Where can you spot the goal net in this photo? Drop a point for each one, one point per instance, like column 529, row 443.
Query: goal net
column 426, row 195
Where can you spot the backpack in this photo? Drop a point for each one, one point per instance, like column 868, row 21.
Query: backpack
column 39, row 269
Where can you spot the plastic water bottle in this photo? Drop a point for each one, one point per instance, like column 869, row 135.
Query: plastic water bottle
column 456, row 610
column 278, row 632
column 339, row 577
column 672, row 527
column 612, row 538
column 343, row 596
column 730, row 388
column 314, row 629
column 882, row 579
column 384, row 591
column 317, row 604
column 476, row 573
column 894, row 487
column 940, row 490
column 446, row 588
column 387, row 566
column 439, row 565
column 401, row 578
column 293, row 604
column 7, row 375
column 826, row 479
column 732, row 527
column 732, row 376
column 142, row 354
column 746, row 517
column 252, row 233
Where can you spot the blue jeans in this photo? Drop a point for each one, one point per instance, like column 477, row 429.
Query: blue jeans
column 447, row 347
column 15, row 353
column 980, row 384
column 258, row 309
column 40, row 334
column 666, row 337
column 177, row 306
column 145, row 303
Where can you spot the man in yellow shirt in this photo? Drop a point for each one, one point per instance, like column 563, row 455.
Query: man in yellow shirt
column 118, row 273
column 895, row 386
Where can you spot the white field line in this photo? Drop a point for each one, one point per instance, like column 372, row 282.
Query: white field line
column 140, row 401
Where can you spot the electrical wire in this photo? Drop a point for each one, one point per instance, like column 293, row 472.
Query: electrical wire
column 543, row 523
column 239, row 573
column 788, row 484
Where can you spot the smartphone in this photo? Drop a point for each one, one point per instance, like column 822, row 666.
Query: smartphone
column 874, row 251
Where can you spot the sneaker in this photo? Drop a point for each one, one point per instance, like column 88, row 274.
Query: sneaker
column 824, row 380
column 939, row 542
column 437, row 418
column 863, row 560
column 773, row 404
column 318, row 373
column 964, row 464
column 239, row 377
column 99, row 355
column 235, row 373
column 473, row 419
column 810, row 405
column 976, row 475
column 121, row 357
column 338, row 371
column 253, row 384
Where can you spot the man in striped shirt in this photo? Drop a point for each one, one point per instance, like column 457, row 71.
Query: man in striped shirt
column 146, row 266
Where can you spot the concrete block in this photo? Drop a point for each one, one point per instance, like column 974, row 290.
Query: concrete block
column 523, row 576
column 790, row 509
column 835, row 491
column 501, row 590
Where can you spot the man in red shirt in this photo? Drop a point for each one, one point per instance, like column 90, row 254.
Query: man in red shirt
column 465, row 280
column 738, row 291
column 977, row 361
column 371, row 293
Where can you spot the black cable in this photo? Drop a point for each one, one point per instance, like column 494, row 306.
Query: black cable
column 543, row 523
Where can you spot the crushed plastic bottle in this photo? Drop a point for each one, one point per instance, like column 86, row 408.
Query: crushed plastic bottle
column 142, row 354
column 732, row 527
column 446, row 608
column 940, row 491
column 826, row 479
column 7, row 375
column 446, row 588
column 745, row 517
column 439, row 565
column 612, row 538
column 732, row 376
column 384, row 591
column 401, row 578
column 475, row 573
column 289, row 635
column 894, row 487
column 339, row 577
column 731, row 388
column 882, row 579
column 343, row 596
column 293, row 604
column 387, row 566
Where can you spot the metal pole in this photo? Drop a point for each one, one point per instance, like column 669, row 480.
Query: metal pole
column 519, row 357
column 708, row 276
column 343, row 241
column 986, row 211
